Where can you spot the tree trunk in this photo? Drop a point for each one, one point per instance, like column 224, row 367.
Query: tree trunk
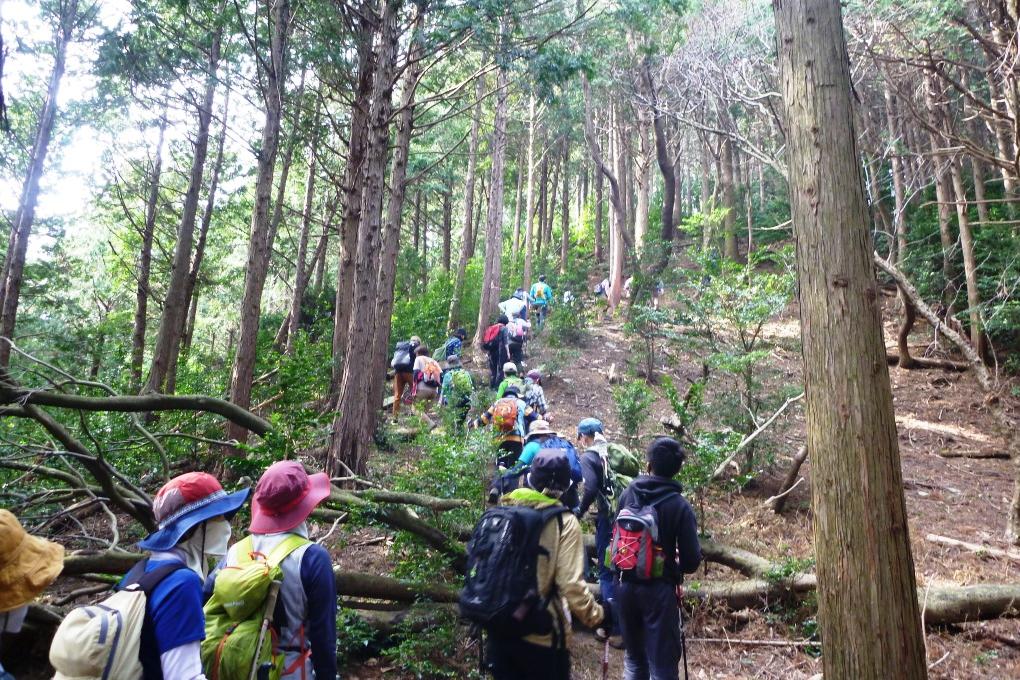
column 447, row 227
column 300, row 272
column 565, row 209
column 944, row 196
column 898, row 247
column 867, row 596
column 550, row 215
column 425, row 241
column 492, row 272
column 391, row 229
column 542, row 195
column 728, row 200
column 670, row 176
column 354, row 424
column 176, row 304
column 643, row 178
column 977, row 333
column 599, row 212
column 529, row 210
column 145, row 264
column 467, row 236
column 261, row 244
column 615, row 199
column 416, row 223
column 517, row 208
column 196, row 263
column 24, row 219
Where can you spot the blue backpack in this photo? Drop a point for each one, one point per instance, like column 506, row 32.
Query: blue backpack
column 575, row 461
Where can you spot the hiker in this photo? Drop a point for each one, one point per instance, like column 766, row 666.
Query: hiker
column 497, row 345
column 602, row 289
column 540, row 436
column 510, row 371
column 305, row 616
column 597, row 495
column 509, row 417
column 657, row 294
column 403, row 371
column 28, row 564
column 517, row 334
column 454, row 346
column 647, row 609
column 537, row 647
column 534, row 395
column 515, row 306
column 192, row 512
column 541, row 296
column 456, row 390
column 428, row 377
column 568, row 298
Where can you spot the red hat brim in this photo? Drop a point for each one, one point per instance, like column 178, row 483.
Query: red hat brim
column 265, row 521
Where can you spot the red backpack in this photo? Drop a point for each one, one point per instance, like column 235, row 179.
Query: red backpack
column 634, row 547
column 491, row 335
column 504, row 414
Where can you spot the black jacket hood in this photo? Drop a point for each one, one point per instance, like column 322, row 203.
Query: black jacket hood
column 650, row 488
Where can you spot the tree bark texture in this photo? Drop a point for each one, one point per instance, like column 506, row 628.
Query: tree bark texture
column 352, row 190
column 493, row 270
column 391, row 229
column 191, row 289
column 261, row 243
column 447, row 228
column 867, row 597
column 13, row 271
column 354, row 424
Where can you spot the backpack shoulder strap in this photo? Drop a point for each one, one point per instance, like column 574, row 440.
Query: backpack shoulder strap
column 148, row 582
column 285, row 548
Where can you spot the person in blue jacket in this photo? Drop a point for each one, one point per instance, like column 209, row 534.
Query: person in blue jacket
column 192, row 512
column 305, row 615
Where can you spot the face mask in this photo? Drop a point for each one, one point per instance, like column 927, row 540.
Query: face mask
column 217, row 537
column 209, row 540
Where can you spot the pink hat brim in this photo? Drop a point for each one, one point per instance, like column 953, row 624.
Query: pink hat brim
column 262, row 522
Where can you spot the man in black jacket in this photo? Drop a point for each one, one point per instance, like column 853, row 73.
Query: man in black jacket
column 648, row 611
column 594, row 461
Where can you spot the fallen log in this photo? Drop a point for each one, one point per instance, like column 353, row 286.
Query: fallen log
column 974, row 547
column 927, row 362
column 402, row 498
column 981, row 455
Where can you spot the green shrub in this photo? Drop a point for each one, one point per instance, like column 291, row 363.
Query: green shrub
column 632, row 401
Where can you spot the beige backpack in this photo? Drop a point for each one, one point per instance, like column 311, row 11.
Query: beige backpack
column 102, row 641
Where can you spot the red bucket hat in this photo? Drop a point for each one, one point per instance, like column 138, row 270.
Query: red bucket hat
column 285, row 496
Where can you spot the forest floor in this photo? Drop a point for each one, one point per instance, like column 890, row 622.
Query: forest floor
column 937, row 411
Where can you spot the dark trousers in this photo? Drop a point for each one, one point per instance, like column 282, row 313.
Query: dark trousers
column 607, row 584
column 649, row 620
column 513, row 659
column 510, row 451
column 517, row 353
column 495, row 368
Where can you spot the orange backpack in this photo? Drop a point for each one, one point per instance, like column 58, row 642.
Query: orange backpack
column 432, row 372
column 504, row 414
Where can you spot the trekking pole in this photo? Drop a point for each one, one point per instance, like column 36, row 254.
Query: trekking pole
column 605, row 659
column 683, row 629
column 267, row 617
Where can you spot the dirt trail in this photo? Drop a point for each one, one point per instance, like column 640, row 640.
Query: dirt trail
column 937, row 412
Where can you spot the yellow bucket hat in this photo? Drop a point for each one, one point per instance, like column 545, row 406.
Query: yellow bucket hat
column 27, row 564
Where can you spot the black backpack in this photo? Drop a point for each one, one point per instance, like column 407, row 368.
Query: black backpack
column 501, row 588
column 402, row 359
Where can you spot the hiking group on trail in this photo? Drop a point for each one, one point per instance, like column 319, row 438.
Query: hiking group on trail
column 265, row 607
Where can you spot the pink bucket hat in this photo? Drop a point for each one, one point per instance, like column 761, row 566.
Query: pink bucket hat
column 285, row 496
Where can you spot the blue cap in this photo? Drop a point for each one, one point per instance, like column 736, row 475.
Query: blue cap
column 589, row 426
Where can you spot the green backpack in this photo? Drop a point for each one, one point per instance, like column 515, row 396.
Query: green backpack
column 623, row 461
column 234, row 613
